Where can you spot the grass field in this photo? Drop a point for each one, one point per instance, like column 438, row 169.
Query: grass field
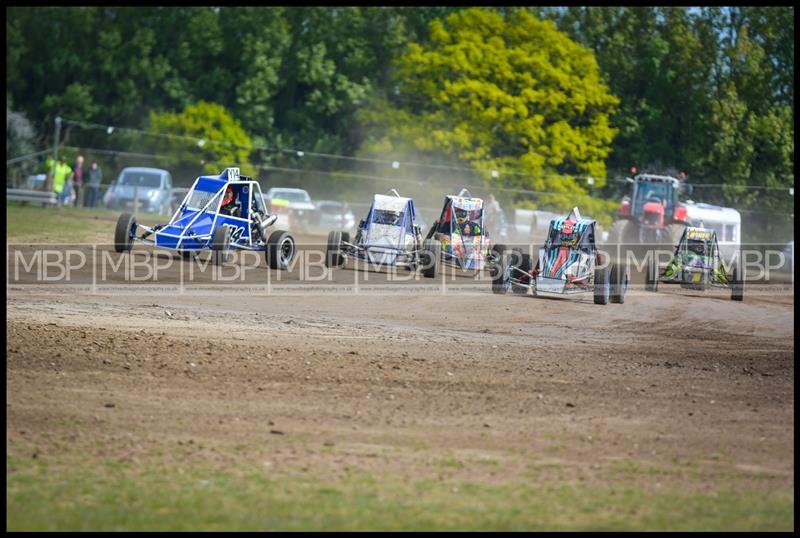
column 120, row 496
column 29, row 223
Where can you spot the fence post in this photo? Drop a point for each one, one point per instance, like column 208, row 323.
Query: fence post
column 50, row 180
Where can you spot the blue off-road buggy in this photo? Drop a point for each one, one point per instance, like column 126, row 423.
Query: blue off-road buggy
column 218, row 214
column 569, row 263
column 389, row 236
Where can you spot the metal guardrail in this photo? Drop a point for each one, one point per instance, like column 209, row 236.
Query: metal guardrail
column 37, row 197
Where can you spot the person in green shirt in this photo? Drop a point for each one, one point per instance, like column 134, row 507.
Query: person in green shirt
column 61, row 181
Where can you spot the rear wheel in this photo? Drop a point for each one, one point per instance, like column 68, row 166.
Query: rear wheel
column 333, row 256
column 124, row 232
column 431, row 258
column 522, row 262
column 737, row 285
column 495, row 253
column 624, row 232
column 499, row 249
column 602, row 285
column 623, row 239
column 280, row 249
column 432, row 229
column 619, row 282
column 651, row 275
column 499, row 278
column 220, row 243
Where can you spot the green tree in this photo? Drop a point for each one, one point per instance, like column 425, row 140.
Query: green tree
column 754, row 142
column 75, row 102
column 255, row 46
column 221, row 140
column 328, row 72
column 706, row 89
column 510, row 94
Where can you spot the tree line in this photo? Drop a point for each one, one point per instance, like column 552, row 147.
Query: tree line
column 531, row 98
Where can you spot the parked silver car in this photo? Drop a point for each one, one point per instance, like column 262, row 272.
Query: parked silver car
column 298, row 203
column 154, row 187
column 333, row 215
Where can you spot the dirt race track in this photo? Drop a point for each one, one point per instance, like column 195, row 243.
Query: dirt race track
column 321, row 380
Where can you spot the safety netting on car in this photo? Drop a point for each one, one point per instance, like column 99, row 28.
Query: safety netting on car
column 199, row 199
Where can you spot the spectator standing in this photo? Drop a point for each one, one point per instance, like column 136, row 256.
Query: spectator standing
column 492, row 210
column 78, row 173
column 95, row 178
column 62, row 181
column 494, row 219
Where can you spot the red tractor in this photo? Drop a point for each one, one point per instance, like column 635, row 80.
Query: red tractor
column 652, row 212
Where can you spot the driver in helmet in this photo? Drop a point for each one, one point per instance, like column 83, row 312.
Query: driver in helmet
column 695, row 253
column 229, row 204
column 390, row 218
column 467, row 226
column 697, row 247
column 568, row 234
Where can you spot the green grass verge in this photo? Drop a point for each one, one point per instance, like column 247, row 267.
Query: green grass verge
column 29, row 223
column 114, row 496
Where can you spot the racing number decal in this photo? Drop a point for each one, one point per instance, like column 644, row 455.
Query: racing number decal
column 237, row 233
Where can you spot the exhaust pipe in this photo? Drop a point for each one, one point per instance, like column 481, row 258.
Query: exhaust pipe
column 262, row 225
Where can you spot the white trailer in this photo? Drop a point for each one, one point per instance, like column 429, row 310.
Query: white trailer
column 726, row 221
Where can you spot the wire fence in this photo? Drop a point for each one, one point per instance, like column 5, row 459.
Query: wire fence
column 352, row 179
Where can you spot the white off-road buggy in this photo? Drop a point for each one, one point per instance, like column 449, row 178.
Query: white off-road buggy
column 388, row 236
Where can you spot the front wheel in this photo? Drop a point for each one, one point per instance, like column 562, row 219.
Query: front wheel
column 619, row 282
column 602, row 286
column 124, row 232
column 333, row 256
column 280, row 249
column 431, row 258
column 737, row 285
column 220, row 244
